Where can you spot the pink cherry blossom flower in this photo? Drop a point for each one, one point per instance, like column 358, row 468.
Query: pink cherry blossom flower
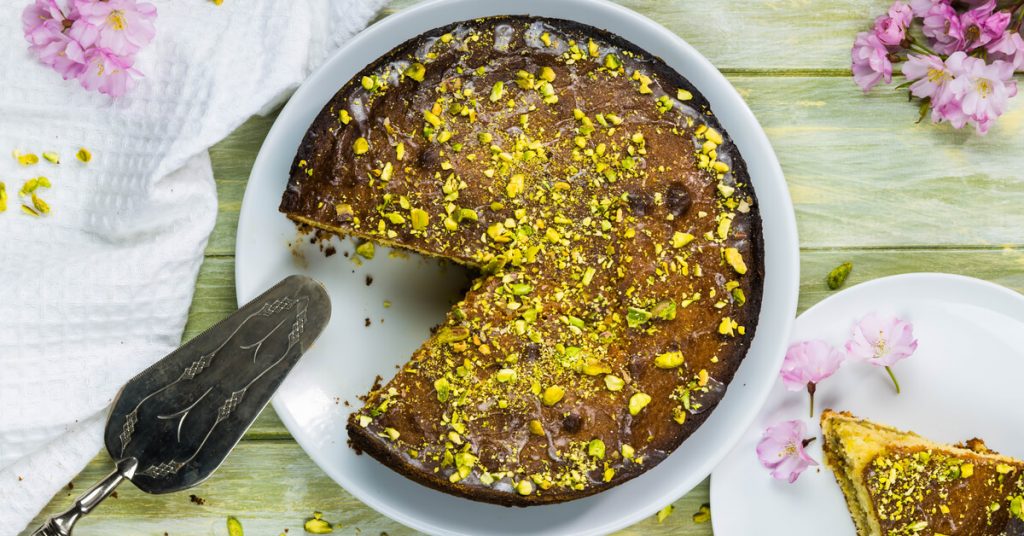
column 891, row 28
column 941, row 24
column 1008, row 48
column 871, row 63
column 807, row 364
column 107, row 73
column 41, row 19
column 45, row 26
column 922, row 7
column 122, row 27
column 983, row 89
column 781, row 450
column 882, row 341
column 931, row 78
column 982, row 25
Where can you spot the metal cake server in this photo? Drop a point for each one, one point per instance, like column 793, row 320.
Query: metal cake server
column 172, row 425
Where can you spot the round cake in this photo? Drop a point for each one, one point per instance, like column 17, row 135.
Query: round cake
column 614, row 230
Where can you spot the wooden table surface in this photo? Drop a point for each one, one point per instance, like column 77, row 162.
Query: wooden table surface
column 869, row 185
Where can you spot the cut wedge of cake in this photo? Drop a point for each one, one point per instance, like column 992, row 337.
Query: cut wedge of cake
column 899, row 483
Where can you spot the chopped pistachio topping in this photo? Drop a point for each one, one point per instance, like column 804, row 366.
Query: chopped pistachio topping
column 420, row 218
column 524, row 487
column 735, row 259
column 612, row 62
column 636, row 317
column 365, row 250
column 664, row 513
column 596, row 448
column 665, row 310
column 613, row 382
column 443, row 389
column 3, row 197
column 681, row 239
column 552, row 395
column 360, row 146
column 669, row 360
column 51, row 157
column 496, row 91
column 83, row 155
column 638, row 402
column 453, row 334
column 416, row 71
column 506, row 375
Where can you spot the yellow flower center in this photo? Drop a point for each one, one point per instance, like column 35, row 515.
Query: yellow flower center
column 116, row 19
column 880, row 346
column 937, row 75
column 984, row 88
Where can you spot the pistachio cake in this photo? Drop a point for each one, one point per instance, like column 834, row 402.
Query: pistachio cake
column 897, row 483
column 614, row 230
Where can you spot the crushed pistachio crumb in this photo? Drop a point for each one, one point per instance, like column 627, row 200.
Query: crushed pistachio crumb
column 366, row 250
column 317, row 525
column 703, row 514
column 664, row 513
column 26, row 159
column 838, row 275
column 235, row 527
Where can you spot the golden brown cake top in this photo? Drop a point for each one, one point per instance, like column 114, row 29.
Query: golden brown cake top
column 615, row 228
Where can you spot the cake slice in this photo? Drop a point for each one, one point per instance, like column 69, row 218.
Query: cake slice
column 899, row 483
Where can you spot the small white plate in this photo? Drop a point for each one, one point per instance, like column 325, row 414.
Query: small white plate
column 311, row 402
column 964, row 381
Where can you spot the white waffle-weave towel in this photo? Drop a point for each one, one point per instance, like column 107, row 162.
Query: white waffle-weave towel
column 100, row 288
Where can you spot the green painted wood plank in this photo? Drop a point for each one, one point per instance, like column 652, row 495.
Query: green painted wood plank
column 754, row 34
column 862, row 173
column 271, row 486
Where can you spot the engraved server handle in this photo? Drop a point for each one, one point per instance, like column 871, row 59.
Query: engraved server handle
column 61, row 524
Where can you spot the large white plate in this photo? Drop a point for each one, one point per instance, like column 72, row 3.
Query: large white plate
column 963, row 381
column 349, row 355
